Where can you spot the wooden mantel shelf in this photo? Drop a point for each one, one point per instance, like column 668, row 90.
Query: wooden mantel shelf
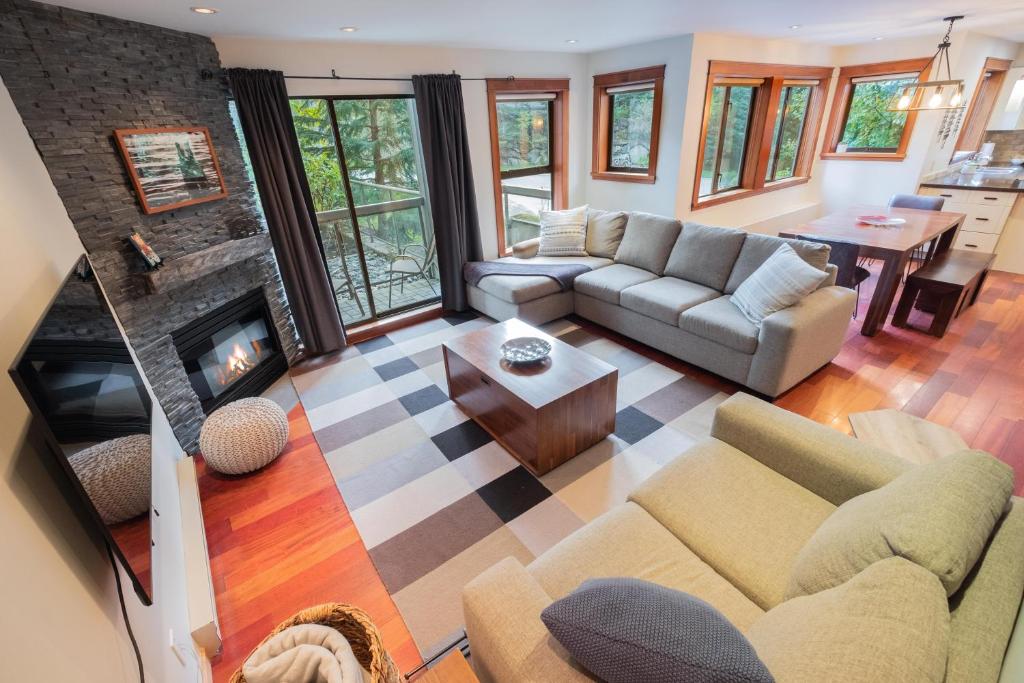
column 185, row 270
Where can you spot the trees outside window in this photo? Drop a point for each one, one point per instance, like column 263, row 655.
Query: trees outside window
column 524, row 145
column 627, row 119
column 725, row 144
column 860, row 125
column 789, row 132
column 363, row 163
column 759, row 128
column 869, row 125
column 529, row 148
column 631, row 114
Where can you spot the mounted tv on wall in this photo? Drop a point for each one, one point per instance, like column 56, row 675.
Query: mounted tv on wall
column 88, row 399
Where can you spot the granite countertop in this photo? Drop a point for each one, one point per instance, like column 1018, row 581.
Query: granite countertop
column 1013, row 182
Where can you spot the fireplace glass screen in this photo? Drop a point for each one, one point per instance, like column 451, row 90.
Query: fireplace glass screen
column 232, row 352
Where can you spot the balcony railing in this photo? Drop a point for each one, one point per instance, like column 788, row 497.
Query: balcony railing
column 522, row 225
column 382, row 241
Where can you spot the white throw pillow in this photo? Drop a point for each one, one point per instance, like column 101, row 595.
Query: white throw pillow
column 781, row 281
column 563, row 233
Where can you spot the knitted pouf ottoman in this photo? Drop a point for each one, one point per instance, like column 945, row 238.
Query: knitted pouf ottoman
column 116, row 475
column 244, row 435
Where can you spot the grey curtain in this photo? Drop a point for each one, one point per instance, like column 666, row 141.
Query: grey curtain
column 266, row 118
column 442, row 121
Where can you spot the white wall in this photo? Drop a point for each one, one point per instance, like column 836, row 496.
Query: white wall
column 659, row 197
column 60, row 618
column 401, row 61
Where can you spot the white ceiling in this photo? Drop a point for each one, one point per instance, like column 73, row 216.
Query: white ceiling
column 548, row 24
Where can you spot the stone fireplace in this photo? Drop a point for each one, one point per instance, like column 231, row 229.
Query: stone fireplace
column 75, row 77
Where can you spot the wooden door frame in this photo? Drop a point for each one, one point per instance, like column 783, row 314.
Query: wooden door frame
column 997, row 66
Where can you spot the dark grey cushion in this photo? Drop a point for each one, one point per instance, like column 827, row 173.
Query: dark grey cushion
column 647, row 241
column 757, row 248
column 630, row 630
column 705, row 254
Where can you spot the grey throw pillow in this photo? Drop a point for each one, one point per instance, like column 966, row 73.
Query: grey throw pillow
column 648, row 241
column 705, row 254
column 627, row 630
column 757, row 248
column 604, row 232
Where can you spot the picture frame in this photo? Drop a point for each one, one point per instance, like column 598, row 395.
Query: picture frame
column 171, row 168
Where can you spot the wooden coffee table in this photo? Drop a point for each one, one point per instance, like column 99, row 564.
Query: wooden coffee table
column 543, row 414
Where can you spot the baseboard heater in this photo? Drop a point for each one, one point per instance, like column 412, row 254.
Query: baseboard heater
column 202, row 605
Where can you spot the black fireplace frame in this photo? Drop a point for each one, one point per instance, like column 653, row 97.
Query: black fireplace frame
column 187, row 337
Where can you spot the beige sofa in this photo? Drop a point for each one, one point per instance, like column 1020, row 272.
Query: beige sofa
column 725, row 522
column 668, row 286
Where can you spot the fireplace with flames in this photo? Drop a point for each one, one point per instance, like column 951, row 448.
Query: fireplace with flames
column 232, row 352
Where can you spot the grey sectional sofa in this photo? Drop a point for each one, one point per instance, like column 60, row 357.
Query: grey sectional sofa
column 668, row 285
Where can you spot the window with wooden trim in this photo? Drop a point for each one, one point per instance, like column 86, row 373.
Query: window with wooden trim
column 759, row 129
column 860, row 125
column 627, row 119
column 529, row 149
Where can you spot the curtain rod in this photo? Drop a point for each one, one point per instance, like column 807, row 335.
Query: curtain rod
column 207, row 74
column 335, row 77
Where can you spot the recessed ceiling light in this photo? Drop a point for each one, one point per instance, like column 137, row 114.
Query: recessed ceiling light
column 349, row 29
column 794, row 26
column 878, row 38
column 572, row 41
column 204, row 10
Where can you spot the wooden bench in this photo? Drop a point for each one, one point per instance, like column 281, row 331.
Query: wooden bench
column 952, row 280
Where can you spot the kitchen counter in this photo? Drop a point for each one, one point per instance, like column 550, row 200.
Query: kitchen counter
column 1013, row 182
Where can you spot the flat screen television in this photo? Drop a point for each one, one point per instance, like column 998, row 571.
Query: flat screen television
column 89, row 401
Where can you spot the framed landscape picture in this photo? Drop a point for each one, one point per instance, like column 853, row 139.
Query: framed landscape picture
column 171, row 167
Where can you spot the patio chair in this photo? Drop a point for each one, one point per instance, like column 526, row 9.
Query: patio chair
column 404, row 265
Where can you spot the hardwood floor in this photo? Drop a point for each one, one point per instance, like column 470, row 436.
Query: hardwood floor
column 971, row 380
column 282, row 540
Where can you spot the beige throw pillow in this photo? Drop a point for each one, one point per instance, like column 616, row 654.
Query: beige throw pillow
column 604, row 232
column 938, row 515
column 563, row 233
column 888, row 623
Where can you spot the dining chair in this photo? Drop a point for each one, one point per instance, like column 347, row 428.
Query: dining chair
column 923, row 203
column 843, row 255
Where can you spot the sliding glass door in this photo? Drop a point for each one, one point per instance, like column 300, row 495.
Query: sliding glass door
column 363, row 160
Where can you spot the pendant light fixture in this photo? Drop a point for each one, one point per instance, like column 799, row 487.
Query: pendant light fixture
column 932, row 95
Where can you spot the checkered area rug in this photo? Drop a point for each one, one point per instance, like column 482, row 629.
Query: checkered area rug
column 437, row 501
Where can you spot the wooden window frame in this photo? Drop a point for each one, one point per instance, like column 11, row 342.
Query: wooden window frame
column 841, row 105
column 600, row 169
column 559, row 158
column 997, row 68
column 762, row 127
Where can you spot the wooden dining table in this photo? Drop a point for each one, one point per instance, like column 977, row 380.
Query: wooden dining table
column 892, row 245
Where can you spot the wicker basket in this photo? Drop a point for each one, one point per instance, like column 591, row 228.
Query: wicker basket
column 355, row 625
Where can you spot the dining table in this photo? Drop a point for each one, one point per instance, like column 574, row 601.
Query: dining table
column 892, row 245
